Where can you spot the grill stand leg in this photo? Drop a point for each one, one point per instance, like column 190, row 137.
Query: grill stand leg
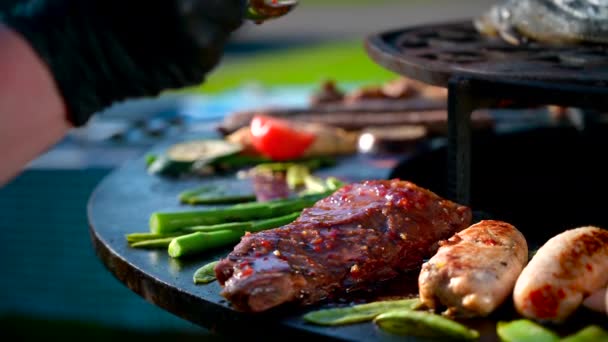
column 461, row 105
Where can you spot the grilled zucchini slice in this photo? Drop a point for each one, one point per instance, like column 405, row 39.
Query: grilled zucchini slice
column 187, row 156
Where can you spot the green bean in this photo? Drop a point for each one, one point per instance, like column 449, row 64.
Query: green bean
column 591, row 333
column 184, row 195
column 423, row 324
column 359, row 313
column 171, row 222
column 244, row 226
column 213, row 194
column 138, row 237
column 152, row 244
column 205, row 274
column 199, row 242
column 219, row 199
column 523, row 330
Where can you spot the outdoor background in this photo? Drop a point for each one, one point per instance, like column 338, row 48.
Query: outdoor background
column 52, row 284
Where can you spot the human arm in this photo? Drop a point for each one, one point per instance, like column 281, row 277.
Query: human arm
column 67, row 59
column 32, row 113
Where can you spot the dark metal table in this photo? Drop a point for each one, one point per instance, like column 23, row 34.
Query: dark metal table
column 482, row 72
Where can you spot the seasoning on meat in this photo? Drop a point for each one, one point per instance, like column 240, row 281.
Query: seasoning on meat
column 475, row 270
column 345, row 242
column 566, row 269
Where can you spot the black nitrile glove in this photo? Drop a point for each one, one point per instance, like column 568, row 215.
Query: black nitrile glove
column 102, row 51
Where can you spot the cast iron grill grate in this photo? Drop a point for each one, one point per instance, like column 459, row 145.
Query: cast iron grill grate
column 435, row 53
column 484, row 72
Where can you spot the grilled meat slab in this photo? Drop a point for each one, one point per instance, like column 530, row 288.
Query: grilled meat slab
column 362, row 234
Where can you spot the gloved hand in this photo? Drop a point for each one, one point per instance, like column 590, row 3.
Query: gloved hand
column 102, row 51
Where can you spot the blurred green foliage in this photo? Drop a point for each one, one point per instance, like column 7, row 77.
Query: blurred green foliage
column 340, row 61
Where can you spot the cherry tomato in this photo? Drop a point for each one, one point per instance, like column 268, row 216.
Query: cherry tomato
column 278, row 139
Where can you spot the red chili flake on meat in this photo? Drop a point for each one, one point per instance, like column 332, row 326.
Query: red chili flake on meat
column 317, row 248
column 247, row 272
column 489, row 242
column 244, row 264
column 258, row 254
column 310, row 261
column 544, row 303
column 589, row 267
column 402, row 202
column 355, row 270
column 266, row 243
column 317, row 241
column 333, row 233
column 393, row 235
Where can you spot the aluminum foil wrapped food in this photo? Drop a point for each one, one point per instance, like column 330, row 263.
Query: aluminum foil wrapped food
column 547, row 21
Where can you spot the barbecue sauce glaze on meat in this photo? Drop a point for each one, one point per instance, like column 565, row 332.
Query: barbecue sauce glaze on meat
column 362, row 234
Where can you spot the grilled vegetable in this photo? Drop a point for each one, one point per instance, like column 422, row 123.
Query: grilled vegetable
column 223, row 226
column 153, row 243
column 187, row 156
column 279, row 139
column 296, row 175
column 423, row 324
column 198, row 242
column 214, row 195
column 238, row 161
column 202, row 150
column 309, row 163
column 359, row 313
column 524, row 330
column 205, row 274
column 169, row 222
column 202, row 241
column 139, row 237
column 165, row 166
column 591, row 333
